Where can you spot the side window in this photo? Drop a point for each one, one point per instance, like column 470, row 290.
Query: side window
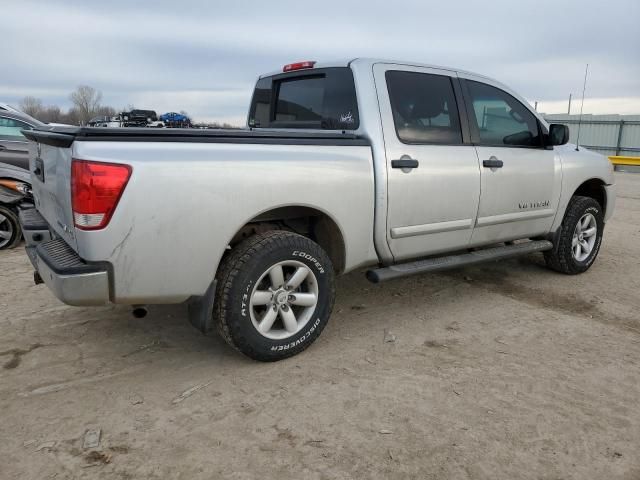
column 501, row 119
column 261, row 107
column 424, row 107
column 11, row 128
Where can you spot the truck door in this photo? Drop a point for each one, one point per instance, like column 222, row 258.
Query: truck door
column 520, row 178
column 433, row 175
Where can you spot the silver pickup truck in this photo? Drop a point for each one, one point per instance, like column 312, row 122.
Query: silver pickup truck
column 399, row 167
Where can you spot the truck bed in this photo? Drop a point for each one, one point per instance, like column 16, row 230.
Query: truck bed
column 192, row 190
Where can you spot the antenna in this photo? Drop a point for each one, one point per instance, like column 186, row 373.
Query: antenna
column 584, row 87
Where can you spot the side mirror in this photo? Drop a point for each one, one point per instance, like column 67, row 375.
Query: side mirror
column 558, row 134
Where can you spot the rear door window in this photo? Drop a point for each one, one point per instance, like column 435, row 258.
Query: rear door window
column 424, row 108
column 314, row 99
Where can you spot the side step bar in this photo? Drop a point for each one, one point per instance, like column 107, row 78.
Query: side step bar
column 454, row 261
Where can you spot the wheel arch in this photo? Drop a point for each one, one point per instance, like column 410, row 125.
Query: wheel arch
column 593, row 188
column 309, row 221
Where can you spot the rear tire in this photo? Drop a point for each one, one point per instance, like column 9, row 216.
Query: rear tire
column 579, row 239
column 275, row 295
column 10, row 231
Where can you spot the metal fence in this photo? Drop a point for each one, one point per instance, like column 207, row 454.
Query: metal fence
column 606, row 134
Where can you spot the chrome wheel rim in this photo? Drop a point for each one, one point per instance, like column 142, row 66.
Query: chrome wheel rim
column 584, row 237
column 283, row 300
column 6, row 230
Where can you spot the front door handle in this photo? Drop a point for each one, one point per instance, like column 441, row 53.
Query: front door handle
column 493, row 162
column 405, row 162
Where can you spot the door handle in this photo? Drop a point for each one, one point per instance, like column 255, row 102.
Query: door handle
column 405, row 162
column 2, row 147
column 493, row 162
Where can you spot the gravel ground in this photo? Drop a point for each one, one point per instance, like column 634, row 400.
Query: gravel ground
column 502, row 371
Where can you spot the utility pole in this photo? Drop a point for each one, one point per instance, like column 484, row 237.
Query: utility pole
column 569, row 109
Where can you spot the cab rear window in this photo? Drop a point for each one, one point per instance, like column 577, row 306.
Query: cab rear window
column 315, row 99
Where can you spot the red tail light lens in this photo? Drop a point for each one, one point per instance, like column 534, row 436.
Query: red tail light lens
column 298, row 66
column 96, row 188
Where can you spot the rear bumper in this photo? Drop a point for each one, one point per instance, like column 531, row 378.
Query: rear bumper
column 34, row 228
column 69, row 277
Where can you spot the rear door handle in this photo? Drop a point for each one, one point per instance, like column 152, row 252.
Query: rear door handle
column 493, row 162
column 405, row 162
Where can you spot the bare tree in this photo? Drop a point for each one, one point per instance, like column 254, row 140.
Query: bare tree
column 31, row 106
column 87, row 101
column 72, row 117
column 105, row 111
column 50, row 114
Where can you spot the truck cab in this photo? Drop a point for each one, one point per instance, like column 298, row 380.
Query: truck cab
column 464, row 160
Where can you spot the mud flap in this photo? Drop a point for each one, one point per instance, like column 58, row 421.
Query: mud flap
column 201, row 310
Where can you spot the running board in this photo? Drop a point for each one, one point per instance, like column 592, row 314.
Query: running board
column 454, row 261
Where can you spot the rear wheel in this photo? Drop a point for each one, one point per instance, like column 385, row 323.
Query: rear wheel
column 10, row 231
column 579, row 238
column 275, row 295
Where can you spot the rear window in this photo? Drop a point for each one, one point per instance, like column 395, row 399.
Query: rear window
column 317, row 99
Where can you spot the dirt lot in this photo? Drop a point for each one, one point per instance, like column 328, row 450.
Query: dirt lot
column 502, row 371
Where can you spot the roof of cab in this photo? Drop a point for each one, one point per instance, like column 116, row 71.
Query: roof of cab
column 345, row 62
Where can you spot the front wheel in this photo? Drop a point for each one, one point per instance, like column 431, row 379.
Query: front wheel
column 579, row 239
column 275, row 295
column 10, row 231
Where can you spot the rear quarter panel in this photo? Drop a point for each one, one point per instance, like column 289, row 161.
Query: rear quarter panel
column 185, row 201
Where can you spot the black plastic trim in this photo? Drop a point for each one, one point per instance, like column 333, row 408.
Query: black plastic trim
column 462, row 111
column 52, row 253
column 65, row 136
column 405, row 163
column 31, row 219
column 55, row 139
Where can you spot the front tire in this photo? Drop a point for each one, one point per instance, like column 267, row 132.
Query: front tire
column 579, row 239
column 275, row 295
column 10, row 231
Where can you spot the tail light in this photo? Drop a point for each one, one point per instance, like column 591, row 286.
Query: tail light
column 298, row 66
column 96, row 188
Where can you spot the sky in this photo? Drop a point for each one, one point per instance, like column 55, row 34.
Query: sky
column 204, row 56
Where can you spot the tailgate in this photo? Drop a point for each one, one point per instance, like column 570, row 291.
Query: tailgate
column 51, row 178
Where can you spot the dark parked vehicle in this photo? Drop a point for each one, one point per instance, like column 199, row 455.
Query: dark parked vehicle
column 15, row 192
column 138, row 118
column 15, row 182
